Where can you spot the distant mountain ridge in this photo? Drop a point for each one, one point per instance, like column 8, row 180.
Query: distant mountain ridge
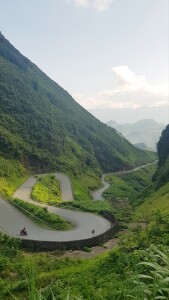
column 43, row 127
column 130, row 115
column 143, row 134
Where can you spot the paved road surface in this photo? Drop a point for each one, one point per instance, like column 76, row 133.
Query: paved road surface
column 12, row 220
column 25, row 190
column 98, row 194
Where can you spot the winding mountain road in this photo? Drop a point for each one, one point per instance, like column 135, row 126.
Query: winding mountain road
column 98, row 194
column 12, row 220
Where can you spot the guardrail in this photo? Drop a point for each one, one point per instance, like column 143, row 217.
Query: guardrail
column 36, row 245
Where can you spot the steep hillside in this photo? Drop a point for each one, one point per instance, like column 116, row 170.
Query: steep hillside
column 146, row 132
column 142, row 146
column 162, row 175
column 42, row 126
column 158, row 196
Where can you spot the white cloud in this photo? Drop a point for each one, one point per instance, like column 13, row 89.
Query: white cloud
column 129, row 82
column 85, row 101
column 99, row 5
column 132, row 91
column 83, row 3
column 125, row 75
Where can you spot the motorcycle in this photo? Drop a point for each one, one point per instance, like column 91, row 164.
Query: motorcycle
column 23, row 232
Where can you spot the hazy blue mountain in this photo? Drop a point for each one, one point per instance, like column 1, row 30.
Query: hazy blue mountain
column 142, row 146
column 129, row 115
column 143, row 134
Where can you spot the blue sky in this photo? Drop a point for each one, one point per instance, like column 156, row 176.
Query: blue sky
column 106, row 54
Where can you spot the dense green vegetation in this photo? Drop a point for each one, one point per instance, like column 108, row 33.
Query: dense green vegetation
column 129, row 184
column 144, row 195
column 119, row 274
column 88, row 205
column 162, row 173
column 83, row 185
column 163, row 146
column 82, row 188
column 41, row 215
column 154, row 230
column 140, row 179
column 12, row 175
column 156, row 200
column 47, row 190
column 126, row 189
column 118, row 188
column 43, row 127
column 157, row 197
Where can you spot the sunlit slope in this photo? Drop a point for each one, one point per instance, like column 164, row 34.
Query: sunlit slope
column 158, row 198
column 42, row 126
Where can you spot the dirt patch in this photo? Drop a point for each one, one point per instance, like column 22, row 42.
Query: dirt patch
column 142, row 225
column 79, row 254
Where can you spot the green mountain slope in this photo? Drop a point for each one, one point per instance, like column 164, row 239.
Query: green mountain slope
column 42, row 126
column 158, row 198
column 162, row 175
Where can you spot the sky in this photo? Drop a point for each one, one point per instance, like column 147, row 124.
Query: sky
column 112, row 56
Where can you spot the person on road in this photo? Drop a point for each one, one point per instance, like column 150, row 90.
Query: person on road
column 23, row 231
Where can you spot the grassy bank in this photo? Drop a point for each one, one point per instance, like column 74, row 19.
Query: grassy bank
column 157, row 200
column 12, row 175
column 130, row 184
column 119, row 274
column 47, row 190
column 83, row 185
column 41, row 215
